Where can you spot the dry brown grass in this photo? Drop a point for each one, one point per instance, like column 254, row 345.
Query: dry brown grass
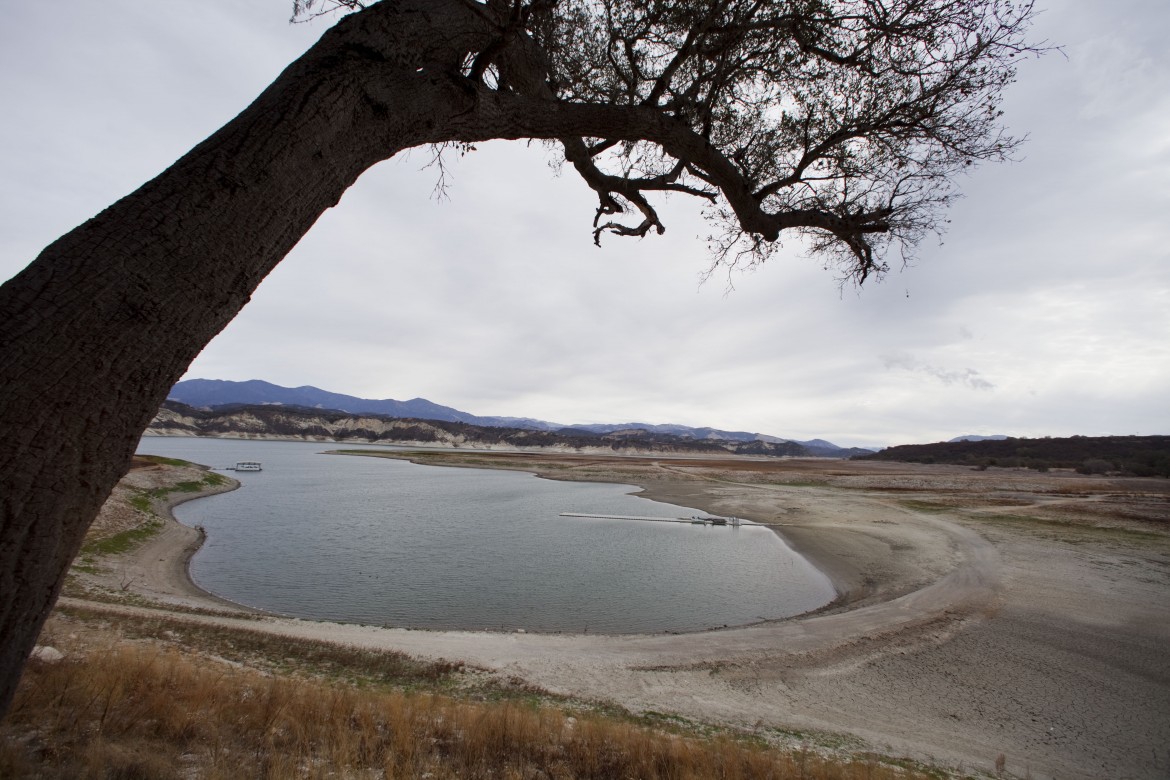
column 143, row 711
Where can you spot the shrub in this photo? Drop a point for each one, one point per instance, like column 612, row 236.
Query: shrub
column 1095, row 466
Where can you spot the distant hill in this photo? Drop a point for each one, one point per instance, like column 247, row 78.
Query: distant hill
column 1143, row 456
column 216, row 393
column 972, row 437
column 211, row 393
column 279, row 421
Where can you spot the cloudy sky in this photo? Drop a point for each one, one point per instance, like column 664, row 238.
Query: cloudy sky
column 1045, row 310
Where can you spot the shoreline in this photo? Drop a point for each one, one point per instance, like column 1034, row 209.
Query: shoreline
column 958, row 588
column 176, row 585
column 845, row 554
column 158, row 569
column 825, row 549
column 843, row 576
column 191, row 539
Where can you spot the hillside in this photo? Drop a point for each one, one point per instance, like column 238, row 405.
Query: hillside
column 1142, row 456
column 290, row 422
column 216, row 393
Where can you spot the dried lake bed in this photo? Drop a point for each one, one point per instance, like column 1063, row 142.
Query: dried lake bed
column 981, row 614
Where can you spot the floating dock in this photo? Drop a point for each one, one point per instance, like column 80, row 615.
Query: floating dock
column 698, row 520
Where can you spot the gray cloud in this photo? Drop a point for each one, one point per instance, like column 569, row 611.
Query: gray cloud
column 964, row 376
column 496, row 301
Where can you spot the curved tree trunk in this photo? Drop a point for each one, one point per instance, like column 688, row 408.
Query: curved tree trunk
column 99, row 327
column 95, row 332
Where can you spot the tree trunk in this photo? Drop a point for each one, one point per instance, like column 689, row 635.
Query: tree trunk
column 97, row 329
column 101, row 325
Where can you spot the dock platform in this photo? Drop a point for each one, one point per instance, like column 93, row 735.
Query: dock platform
column 689, row 520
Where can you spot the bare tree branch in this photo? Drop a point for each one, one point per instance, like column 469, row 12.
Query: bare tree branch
column 843, row 121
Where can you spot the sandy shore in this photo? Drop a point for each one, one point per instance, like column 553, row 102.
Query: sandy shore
column 159, row 568
column 979, row 615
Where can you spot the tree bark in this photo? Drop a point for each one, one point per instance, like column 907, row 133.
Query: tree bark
column 101, row 325
column 97, row 329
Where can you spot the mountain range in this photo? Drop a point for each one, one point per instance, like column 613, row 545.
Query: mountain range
column 213, row 394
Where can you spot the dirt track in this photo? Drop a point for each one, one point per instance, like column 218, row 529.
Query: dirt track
column 981, row 613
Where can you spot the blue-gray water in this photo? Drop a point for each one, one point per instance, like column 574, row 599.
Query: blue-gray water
column 386, row 542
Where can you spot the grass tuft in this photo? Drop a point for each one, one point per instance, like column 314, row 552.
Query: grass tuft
column 159, row 459
column 133, row 711
column 121, row 542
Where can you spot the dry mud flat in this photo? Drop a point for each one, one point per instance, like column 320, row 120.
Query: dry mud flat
column 981, row 614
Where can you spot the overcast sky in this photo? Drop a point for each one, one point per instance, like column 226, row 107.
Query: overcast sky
column 1045, row 311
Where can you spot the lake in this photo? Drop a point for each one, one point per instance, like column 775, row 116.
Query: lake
column 386, row 542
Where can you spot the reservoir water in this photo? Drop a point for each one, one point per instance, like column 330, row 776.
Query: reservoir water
column 387, row 542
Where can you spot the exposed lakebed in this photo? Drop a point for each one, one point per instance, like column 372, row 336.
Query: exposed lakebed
column 386, row 542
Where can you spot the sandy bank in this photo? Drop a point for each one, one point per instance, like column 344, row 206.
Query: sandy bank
column 159, row 568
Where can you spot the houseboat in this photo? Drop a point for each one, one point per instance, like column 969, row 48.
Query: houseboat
column 714, row 520
column 248, row 465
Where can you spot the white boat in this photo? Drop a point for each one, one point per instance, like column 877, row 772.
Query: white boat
column 248, row 465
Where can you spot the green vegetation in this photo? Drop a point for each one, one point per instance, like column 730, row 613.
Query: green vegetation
column 1073, row 532
column 142, row 502
column 214, row 480
column 120, row 542
column 159, row 459
column 189, row 486
column 145, row 501
column 1139, row 456
column 145, row 498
